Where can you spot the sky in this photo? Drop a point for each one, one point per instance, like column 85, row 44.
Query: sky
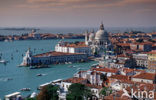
column 77, row 13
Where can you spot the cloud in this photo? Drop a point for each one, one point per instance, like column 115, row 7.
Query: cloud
column 94, row 5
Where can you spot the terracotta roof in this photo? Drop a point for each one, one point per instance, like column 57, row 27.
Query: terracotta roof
column 54, row 53
column 152, row 52
column 127, row 70
column 117, row 96
column 94, row 86
column 74, row 80
column 111, row 70
column 124, row 44
column 150, row 76
column 119, row 77
column 75, row 45
column 143, row 43
column 122, row 55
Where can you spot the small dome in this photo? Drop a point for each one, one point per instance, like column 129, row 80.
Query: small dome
column 91, row 36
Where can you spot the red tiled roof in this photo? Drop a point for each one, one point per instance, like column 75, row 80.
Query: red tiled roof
column 74, row 80
column 54, row 53
column 119, row 77
column 111, row 70
column 76, row 45
column 150, row 76
column 94, row 86
column 124, row 44
column 152, row 52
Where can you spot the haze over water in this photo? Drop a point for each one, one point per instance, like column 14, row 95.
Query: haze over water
column 77, row 30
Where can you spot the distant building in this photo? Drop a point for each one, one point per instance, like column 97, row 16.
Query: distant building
column 35, row 35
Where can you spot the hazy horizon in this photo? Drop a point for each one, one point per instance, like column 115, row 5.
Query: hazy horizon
column 77, row 13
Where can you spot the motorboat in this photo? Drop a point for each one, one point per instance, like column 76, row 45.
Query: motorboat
column 70, row 66
column 38, row 67
column 3, row 61
column 39, row 75
column 25, row 89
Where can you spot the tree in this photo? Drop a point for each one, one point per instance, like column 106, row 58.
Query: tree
column 48, row 93
column 105, row 91
column 30, row 99
column 103, row 77
column 78, row 91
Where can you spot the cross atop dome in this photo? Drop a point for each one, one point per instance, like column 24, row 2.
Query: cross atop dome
column 101, row 26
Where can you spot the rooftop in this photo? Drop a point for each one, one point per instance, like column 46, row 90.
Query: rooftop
column 75, row 45
column 149, row 76
column 54, row 53
column 74, row 80
column 111, row 70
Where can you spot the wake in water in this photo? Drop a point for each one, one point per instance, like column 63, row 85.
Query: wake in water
column 5, row 79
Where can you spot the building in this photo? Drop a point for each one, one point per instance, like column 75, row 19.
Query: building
column 141, row 46
column 141, row 59
column 35, row 35
column 99, row 41
column 152, row 60
column 65, row 84
column 144, row 77
column 70, row 47
column 52, row 58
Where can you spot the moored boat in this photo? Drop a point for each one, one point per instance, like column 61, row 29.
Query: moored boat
column 25, row 89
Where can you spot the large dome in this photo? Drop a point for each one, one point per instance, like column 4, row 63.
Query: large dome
column 101, row 34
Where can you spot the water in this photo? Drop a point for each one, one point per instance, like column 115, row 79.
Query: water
column 23, row 77
column 77, row 30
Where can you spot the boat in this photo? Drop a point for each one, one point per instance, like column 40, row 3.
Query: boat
column 69, row 62
column 3, row 61
column 20, row 65
column 9, row 79
column 40, row 66
column 31, row 67
column 74, row 66
column 78, row 68
column 70, row 66
column 25, row 89
column 39, row 75
column 34, row 94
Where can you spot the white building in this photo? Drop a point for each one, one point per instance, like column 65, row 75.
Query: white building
column 69, row 47
column 99, row 41
column 27, row 59
column 52, row 57
column 141, row 59
column 95, row 89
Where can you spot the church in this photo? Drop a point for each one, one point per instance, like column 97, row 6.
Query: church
column 99, row 41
